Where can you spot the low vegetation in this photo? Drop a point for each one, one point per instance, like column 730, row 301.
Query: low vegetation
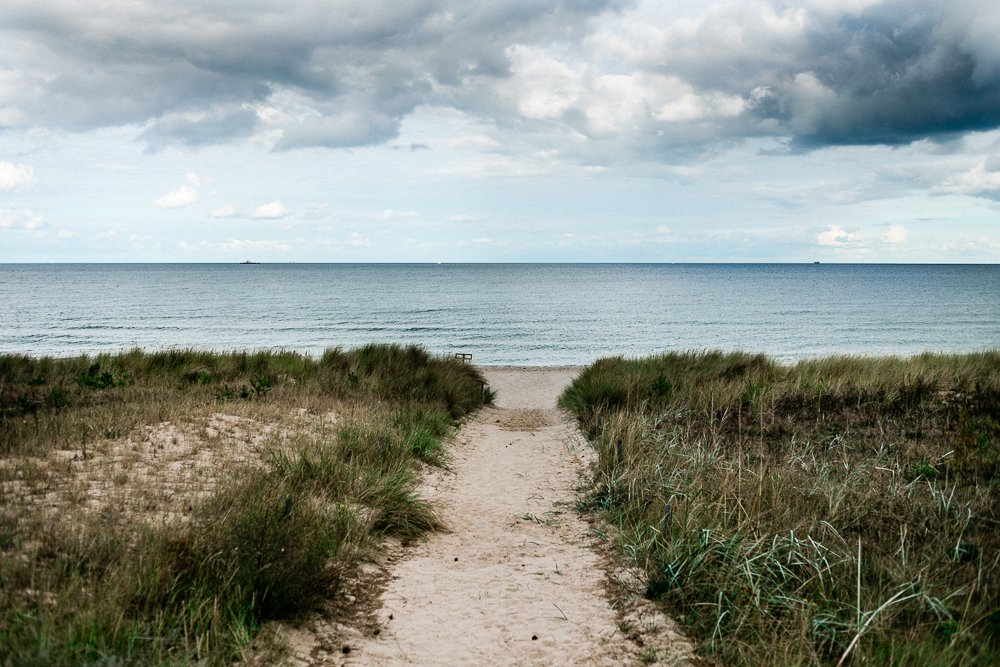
column 163, row 507
column 844, row 510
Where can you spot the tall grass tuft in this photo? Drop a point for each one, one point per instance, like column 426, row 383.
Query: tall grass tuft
column 95, row 581
column 410, row 373
column 843, row 510
column 121, row 391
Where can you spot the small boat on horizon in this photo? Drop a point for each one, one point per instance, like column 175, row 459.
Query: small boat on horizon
column 249, row 262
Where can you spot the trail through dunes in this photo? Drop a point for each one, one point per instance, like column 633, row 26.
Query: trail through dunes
column 516, row 581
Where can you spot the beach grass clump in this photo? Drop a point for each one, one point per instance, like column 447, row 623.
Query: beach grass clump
column 395, row 372
column 842, row 510
column 146, row 519
column 118, row 392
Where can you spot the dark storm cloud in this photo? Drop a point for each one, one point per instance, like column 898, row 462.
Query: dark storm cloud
column 80, row 65
column 212, row 129
column 340, row 131
column 648, row 79
column 890, row 73
column 900, row 73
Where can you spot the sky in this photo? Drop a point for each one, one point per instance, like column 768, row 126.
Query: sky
column 499, row 131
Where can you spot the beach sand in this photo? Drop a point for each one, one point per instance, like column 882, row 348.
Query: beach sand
column 518, row 580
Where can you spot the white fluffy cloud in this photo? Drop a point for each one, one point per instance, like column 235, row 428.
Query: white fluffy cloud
column 894, row 235
column 357, row 240
column 837, row 237
column 272, row 211
column 16, row 177
column 976, row 181
column 178, row 198
column 228, row 211
column 20, row 218
column 235, row 247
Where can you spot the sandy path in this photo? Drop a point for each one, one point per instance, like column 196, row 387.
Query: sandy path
column 514, row 583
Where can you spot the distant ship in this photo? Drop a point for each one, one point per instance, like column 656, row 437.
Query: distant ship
column 249, row 262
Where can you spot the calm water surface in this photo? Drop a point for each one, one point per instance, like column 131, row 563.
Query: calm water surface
column 504, row 314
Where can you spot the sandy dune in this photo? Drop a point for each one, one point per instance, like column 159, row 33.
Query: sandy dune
column 515, row 582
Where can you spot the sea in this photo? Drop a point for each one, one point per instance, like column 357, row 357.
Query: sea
column 503, row 314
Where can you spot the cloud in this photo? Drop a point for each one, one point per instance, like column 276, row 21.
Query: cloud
column 836, row 236
column 828, row 74
column 894, row 235
column 482, row 240
column 389, row 214
column 16, row 177
column 193, row 179
column 199, row 129
column 588, row 82
column 12, row 117
column 976, row 181
column 23, row 218
column 316, row 212
column 193, row 75
column 235, row 246
column 228, row 211
column 272, row 211
column 355, row 239
column 833, row 236
column 178, row 198
column 340, row 131
column 662, row 229
column 462, row 217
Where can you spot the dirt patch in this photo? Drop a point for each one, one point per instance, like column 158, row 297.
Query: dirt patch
column 522, row 419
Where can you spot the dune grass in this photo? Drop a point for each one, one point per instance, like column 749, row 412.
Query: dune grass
column 844, row 510
column 161, row 508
